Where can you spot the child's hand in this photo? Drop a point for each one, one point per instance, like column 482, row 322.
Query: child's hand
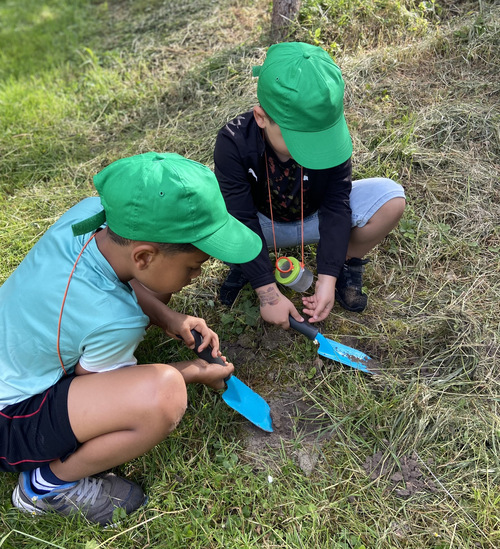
column 200, row 371
column 214, row 374
column 319, row 305
column 210, row 338
column 275, row 308
column 179, row 326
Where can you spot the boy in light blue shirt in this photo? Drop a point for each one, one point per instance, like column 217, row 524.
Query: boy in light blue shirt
column 73, row 400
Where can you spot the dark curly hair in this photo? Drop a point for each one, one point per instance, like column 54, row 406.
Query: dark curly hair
column 168, row 249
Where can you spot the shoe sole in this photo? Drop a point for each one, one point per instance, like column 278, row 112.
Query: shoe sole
column 113, row 525
column 22, row 505
column 25, row 507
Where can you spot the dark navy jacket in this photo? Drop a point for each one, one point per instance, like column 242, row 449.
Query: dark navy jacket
column 241, row 172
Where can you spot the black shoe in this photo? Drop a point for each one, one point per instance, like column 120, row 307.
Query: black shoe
column 348, row 290
column 232, row 286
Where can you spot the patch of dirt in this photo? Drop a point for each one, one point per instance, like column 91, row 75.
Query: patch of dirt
column 238, row 354
column 405, row 478
column 275, row 337
column 294, row 419
column 245, row 349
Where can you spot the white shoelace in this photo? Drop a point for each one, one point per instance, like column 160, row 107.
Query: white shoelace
column 85, row 491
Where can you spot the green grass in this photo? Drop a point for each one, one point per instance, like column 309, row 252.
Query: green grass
column 83, row 83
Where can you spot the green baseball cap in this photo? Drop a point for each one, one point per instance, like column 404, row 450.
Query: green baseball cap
column 302, row 90
column 164, row 197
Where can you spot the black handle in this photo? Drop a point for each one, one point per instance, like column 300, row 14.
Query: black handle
column 206, row 354
column 304, row 328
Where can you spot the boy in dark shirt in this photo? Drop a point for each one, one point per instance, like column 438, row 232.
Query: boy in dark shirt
column 284, row 170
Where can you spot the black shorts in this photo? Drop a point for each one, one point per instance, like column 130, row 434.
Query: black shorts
column 37, row 430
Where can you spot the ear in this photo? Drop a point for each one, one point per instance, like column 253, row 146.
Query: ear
column 260, row 116
column 143, row 255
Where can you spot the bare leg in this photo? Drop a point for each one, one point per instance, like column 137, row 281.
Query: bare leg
column 364, row 239
column 120, row 415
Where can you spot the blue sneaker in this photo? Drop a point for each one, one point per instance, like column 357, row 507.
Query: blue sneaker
column 96, row 498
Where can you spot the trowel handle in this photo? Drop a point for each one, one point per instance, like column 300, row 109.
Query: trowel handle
column 304, row 328
column 206, row 354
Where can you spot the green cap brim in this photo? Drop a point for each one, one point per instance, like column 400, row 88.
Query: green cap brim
column 231, row 243
column 320, row 150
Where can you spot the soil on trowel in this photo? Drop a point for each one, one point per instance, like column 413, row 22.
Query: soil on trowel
column 295, row 420
column 405, row 478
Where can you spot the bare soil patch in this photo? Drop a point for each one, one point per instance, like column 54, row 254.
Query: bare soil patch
column 298, row 426
column 404, row 475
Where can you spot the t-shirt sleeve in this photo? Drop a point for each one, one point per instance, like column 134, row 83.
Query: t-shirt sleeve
column 111, row 347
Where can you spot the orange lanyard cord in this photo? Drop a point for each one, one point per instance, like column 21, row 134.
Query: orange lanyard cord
column 64, row 301
column 302, row 215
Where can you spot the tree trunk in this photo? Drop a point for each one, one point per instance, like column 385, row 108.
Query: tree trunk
column 284, row 14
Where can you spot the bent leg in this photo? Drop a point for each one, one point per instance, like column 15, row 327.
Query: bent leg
column 120, row 415
column 377, row 205
column 363, row 239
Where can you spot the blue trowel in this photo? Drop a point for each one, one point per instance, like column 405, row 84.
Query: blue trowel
column 238, row 395
column 334, row 350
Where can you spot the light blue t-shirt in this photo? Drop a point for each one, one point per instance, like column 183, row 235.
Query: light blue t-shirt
column 101, row 325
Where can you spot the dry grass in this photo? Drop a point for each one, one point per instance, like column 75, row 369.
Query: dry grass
column 422, row 104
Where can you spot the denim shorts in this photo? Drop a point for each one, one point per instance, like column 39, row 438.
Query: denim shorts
column 37, row 430
column 367, row 196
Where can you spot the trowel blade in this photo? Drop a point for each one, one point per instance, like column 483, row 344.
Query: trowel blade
column 248, row 403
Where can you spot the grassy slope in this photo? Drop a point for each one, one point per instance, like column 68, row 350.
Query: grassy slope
column 85, row 83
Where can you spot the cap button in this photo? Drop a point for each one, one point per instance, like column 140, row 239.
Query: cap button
column 306, row 55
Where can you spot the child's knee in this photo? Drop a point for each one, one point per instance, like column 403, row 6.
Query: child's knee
column 392, row 209
column 168, row 396
column 397, row 206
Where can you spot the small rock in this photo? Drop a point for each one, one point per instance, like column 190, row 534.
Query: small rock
column 412, row 464
column 318, row 364
column 397, row 477
column 276, row 419
column 307, row 459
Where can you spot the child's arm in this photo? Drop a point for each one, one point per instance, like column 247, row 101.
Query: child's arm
column 174, row 324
